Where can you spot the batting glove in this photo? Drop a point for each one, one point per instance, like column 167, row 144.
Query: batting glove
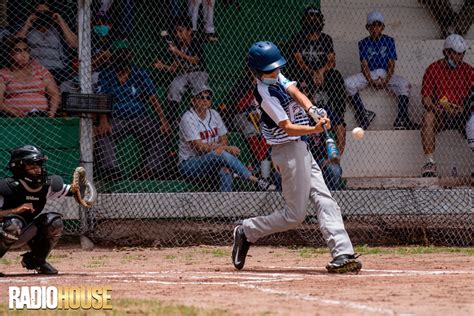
column 317, row 113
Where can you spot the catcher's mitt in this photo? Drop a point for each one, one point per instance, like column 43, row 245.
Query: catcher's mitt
column 84, row 191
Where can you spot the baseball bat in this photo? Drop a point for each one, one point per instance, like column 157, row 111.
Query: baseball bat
column 254, row 120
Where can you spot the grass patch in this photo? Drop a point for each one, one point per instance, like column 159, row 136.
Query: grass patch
column 215, row 252
column 188, row 257
column 411, row 250
column 132, row 257
column 6, row 261
column 150, row 307
column 170, row 257
column 308, row 252
column 57, row 257
column 127, row 307
column 97, row 262
column 219, row 253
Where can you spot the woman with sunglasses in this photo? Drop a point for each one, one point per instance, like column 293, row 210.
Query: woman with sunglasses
column 26, row 87
column 203, row 146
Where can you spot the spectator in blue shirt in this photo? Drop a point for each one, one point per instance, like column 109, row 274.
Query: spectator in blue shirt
column 132, row 90
column 378, row 54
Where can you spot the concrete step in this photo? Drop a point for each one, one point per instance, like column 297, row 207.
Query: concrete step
column 408, row 183
column 385, row 105
column 229, row 205
column 390, row 153
column 414, row 56
column 404, row 19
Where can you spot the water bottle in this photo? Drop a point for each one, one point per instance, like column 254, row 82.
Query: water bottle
column 265, row 168
column 332, row 151
column 454, row 172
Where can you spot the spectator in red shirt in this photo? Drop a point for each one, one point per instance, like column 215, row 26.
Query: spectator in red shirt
column 445, row 93
column 26, row 87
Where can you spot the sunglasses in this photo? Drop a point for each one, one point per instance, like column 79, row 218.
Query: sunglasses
column 21, row 50
column 205, row 97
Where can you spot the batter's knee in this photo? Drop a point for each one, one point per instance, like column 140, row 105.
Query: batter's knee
column 328, row 204
column 51, row 224
column 405, row 88
column 350, row 86
column 294, row 219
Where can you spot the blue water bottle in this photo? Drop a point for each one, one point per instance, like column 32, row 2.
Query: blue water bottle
column 332, row 151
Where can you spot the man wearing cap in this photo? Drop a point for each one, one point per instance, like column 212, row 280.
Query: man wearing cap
column 445, row 94
column 133, row 91
column 378, row 54
column 203, row 147
column 315, row 62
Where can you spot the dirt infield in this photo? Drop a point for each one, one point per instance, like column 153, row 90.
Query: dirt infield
column 275, row 281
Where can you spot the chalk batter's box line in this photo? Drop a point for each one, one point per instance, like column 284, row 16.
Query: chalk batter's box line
column 249, row 280
column 244, row 277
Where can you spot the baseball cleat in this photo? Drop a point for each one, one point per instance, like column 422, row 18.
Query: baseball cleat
column 31, row 263
column 369, row 117
column 240, row 248
column 429, row 170
column 405, row 124
column 344, row 264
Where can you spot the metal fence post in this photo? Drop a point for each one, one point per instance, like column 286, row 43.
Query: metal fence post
column 86, row 136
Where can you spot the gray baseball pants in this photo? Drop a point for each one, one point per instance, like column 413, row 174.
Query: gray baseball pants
column 302, row 180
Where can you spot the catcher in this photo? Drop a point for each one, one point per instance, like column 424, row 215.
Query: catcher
column 22, row 200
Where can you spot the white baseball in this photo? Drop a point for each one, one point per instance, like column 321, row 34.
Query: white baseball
column 358, row 133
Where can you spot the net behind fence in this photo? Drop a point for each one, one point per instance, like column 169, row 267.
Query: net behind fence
column 181, row 158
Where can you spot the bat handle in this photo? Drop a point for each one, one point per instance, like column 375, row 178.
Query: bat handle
column 325, row 129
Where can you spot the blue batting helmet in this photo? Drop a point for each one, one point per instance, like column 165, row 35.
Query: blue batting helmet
column 265, row 57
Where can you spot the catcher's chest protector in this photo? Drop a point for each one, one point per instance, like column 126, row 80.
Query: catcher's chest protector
column 14, row 195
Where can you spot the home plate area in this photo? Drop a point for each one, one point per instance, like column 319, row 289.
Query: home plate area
column 293, row 283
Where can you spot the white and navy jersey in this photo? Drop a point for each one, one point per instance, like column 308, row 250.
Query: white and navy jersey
column 192, row 127
column 277, row 105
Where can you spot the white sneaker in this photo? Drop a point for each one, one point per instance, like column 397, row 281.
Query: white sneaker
column 265, row 186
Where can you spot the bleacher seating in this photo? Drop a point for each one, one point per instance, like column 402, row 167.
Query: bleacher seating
column 385, row 152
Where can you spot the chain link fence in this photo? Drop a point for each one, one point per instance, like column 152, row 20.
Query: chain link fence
column 176, row 71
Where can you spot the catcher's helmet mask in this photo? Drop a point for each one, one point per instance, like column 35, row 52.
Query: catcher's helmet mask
column 27, row 155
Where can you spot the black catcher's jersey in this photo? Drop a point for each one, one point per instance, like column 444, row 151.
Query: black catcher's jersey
column 14, row 194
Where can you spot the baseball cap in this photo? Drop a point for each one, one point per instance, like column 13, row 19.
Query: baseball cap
column 312, row 10
column 455, row 42
column 375, row 16
column 197, row 90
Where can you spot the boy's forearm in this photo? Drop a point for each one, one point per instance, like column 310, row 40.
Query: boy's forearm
column 366, row 71
column 300, row 98
column 390, row 70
